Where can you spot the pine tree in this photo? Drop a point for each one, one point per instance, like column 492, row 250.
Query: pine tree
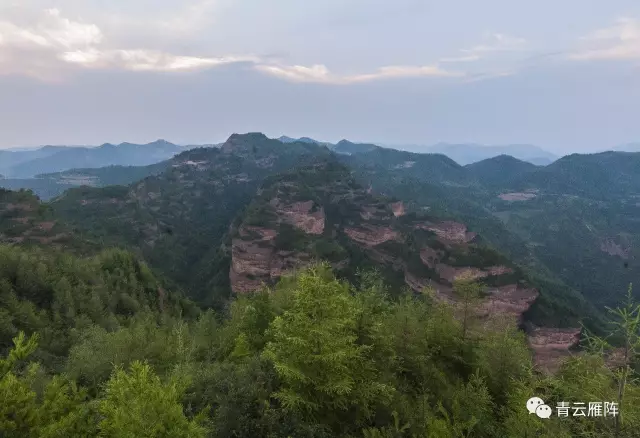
column 625, row 328
column 138, row 404
column 323, row 369
column 469, row 293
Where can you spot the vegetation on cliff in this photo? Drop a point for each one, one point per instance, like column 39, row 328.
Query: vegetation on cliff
column 314, row 356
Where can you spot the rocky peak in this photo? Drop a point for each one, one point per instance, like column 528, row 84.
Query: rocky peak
column 244, row 142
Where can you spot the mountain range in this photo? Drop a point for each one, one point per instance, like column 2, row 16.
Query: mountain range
column 50, row 170
column 223, row 221
column 470, row 153
column 225, row 279
column 49, row 159
column 570, row 224
column 461, row 153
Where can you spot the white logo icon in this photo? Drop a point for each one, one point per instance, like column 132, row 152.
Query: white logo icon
column 535, row 405
column 543, row 411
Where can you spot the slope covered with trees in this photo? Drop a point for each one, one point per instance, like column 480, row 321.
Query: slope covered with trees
column 354, row 314
column 314, row 356
column 177, row 220
column 571, row 223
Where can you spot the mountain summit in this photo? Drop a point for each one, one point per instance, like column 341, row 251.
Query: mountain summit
column 470, row 153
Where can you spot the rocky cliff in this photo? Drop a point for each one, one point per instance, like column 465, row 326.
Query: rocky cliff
column 299, row 217
column 551, row 346
column 321, row 213
column 23, row 219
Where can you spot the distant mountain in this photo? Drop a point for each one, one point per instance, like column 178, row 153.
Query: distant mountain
column 229, row 219
column 470, row 153
column 573, row 222
column 50, row 159
column 499, row 171
column 320, row 212
column 379, row 164
column 602, row 176
column 178, row 218
column 308, row 140
column 11, row 158
column 349, row 148
column 629, row 147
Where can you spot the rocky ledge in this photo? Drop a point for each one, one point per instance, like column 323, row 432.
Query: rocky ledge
column 551, row 346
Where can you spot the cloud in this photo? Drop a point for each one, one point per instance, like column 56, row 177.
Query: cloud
column 50, row 30
column 146, row 60
column 496, row 42
column 31, row 49
column 50, row 44
column 467, row 58
column 499, row 53
column 493, row 43
column 490, row 75
column 322, row 75
column 192, row 18
column 179, row 18
column 618, row 42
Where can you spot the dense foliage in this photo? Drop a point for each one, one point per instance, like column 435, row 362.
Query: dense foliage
column 177, row 220
column 577, row 230
column 98, row 351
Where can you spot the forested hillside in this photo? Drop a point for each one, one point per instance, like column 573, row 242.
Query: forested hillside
column 110, row 353
column 183, row 222
column 572, row 223
column 270, row 289
column 179, row 218
column 51, row 185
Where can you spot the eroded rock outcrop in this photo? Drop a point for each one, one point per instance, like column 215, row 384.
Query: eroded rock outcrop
column 306, row 216
column 451, row 273
column 371, row 235
column 450, row 232
column 612, row 248
column 511, row 300
column 551, row 346
column 398, row 209
column 343, row 223
column 255, row 261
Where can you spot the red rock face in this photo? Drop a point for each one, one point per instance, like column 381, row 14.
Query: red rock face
column 517, row 196
column 450, row 232
column 46, row 226
column 614, row 249
column 398, row 209
column 551, row 346
column 510, row 300
column 301, row 216
column 499, row 270
column 256, row 262
column 371, row 235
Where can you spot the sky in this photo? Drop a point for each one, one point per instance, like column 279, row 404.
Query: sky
column 564, row 75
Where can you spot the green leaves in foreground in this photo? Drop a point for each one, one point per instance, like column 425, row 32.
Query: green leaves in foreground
column 138, row 404
column 324, row 371
column 134, row 404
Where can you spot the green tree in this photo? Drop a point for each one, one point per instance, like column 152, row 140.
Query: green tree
column 469, row 293
column 61, row 410
column 137, row 404
column 325, row 373
column 622, row 361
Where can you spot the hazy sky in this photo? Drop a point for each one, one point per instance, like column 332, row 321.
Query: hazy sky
column 564, row 75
